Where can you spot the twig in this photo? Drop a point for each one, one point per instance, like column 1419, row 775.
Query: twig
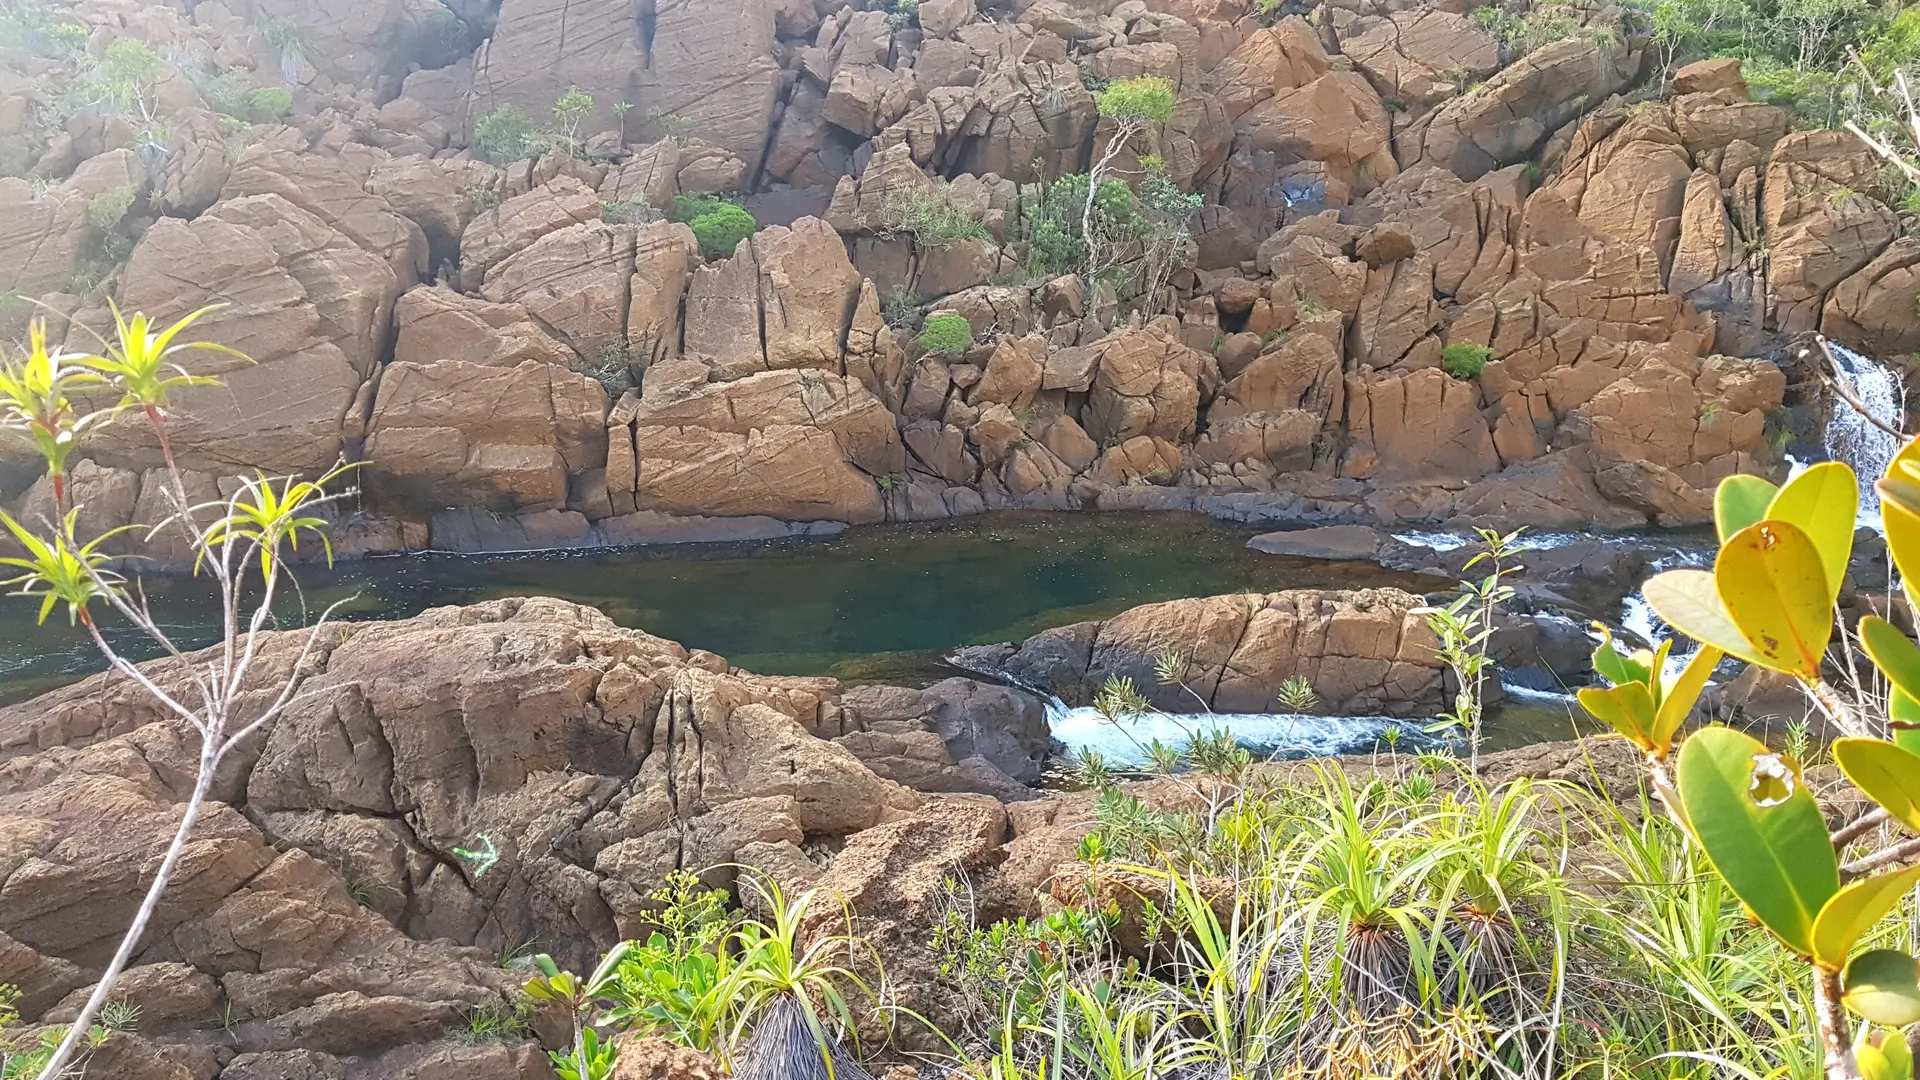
column 1865, row 824
column 1897, row 855
column 1839, row 385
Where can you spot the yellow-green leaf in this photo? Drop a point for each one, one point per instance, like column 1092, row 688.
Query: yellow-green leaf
column 1854, row 911
column 1883, row 1055
column 1883, row 986
column 1824, row 501
column 1627, row 708
column 1761, row 828
column 1900, row 511
column 1774, row 587
column 1688, row 601
column 1889, row 774
column 1893, row 653
column 1678, row 700
column 1740, row 501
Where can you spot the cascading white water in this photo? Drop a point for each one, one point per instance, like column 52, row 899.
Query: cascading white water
column 1285, row 735
column 1854, row 438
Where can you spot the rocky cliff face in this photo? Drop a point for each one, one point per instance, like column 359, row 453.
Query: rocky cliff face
column 325, row 922
column 526, row 355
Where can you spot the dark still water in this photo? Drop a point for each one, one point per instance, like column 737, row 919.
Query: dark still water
column 872, row 604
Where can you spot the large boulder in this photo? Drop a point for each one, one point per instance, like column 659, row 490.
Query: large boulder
column 799, row 445
column 1365, row 653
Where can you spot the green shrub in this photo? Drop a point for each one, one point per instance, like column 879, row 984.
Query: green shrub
column 503, row 136
column 687, row 207
column 270, row 103
column 1464, row 359
column 106, row 211
column 947, row 335
column 722, row 230
column 930, row 213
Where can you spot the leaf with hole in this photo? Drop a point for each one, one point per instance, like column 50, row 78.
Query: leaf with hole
column 1688, row 601
column 1888, row 773
column 1774, row 587
column 1739, row 501
column 1854, row 911
column 1762, row 830
column 1883, row 986
column 1823, row 502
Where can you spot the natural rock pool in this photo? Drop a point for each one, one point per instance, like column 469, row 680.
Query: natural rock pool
column 876, row 604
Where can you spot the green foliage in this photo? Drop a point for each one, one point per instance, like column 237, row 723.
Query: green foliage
column 1053, row 226
column 612, row 368
column 721, row 231
column 685, row 208
column 9, row 1004
column 1465, row 627
column 106, row 211
column 1464, row 359
column 41, row 31
column 503, row 136
column 1770, row 600
column 946, row 335
column 270, row 103
column 901, row 14
column 1297, row 695
column 931, row 215
column 1521, row 32
column 573, row 109
column 1148, row 98
column 497, row 1020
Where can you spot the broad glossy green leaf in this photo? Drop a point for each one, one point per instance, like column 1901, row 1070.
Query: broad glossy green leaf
column 1888, row 773
column 1893, row 653
column 1774, row 587
column 1678, row 700
column 1627, row 708
column 1761, row 828
column 1740, row 501
column 1824, row 502
column 1855, row 910
column 1883, row 986
column 1615, row 666
column 1688, row 601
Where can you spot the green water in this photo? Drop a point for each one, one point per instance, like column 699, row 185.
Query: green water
column 872, row 604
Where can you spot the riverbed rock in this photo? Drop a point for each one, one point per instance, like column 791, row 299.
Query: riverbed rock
column 1365, row 652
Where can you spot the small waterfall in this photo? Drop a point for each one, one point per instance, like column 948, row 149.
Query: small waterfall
column 1284, row 735
column 1855, row 439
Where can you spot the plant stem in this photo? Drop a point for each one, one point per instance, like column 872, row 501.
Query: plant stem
column 56, row 1066
column 1859, row 827
column 1836, row 1043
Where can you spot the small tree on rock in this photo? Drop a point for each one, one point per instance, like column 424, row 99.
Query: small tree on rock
column 240, row 542
column 1133, row 105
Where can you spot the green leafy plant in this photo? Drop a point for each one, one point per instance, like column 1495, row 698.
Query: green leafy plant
column 270, row 103
column 588, row 1057
column 503, row 136
column 1769, row 600
column 571, row 110
column 1464, row 628
column 946, row 335
column 721, row 230
column 931, row 215
column 138, row 372
column 105, row 211
column 1464, row 359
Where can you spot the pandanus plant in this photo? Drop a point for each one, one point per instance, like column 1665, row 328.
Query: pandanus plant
column 47, row 395
column 1769, row 600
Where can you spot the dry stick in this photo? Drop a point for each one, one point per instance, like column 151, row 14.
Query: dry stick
column 1860, row 827
column 1839, row 385
column 1897, row 855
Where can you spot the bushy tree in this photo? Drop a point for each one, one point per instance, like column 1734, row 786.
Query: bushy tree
column 1464, row 359
column 503, row 136
column 720, row 230
column 946, row 335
